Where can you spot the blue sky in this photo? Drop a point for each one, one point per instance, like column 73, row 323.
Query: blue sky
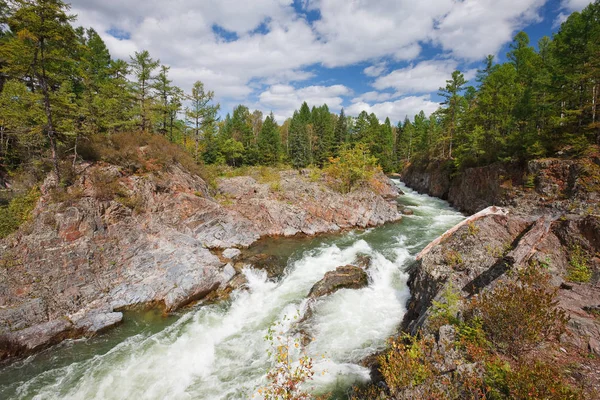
column 382, row 56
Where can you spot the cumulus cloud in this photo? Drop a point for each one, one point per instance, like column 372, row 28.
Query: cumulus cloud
column 375, row 70
column 373, row 96
column 396, row 110
column 284, row 99
column 475, row 28
column 245, row 49
column 424, row 77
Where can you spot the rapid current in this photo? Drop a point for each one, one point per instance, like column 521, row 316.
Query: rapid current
column 219, row 351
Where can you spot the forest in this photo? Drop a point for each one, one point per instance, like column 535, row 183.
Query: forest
column 60, row 89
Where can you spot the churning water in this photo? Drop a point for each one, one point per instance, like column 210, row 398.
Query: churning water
column 219, row 351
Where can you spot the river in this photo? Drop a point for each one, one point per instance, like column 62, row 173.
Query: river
column 219, row 351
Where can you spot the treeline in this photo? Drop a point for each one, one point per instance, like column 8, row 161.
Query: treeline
column 60, row 87
column 538, row 103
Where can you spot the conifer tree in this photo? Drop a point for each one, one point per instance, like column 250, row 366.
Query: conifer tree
column 143, row 66
column 41, row 49
column 269, row 141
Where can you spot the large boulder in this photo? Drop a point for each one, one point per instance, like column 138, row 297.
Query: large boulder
column 346, row 277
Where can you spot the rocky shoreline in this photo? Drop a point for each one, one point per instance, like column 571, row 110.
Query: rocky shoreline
column 549, row 217
column 117, row 241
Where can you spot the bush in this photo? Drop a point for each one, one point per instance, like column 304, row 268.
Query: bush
column 138, row 152
column 407, row 362
column 579, row 270
column 17, row 212
column 353, row 166
column 527, row 380
column 521, row 313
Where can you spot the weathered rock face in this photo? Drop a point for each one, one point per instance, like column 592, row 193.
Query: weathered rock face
column 481, row 250
column 546, row 185
column 143, row 240
column 346, row 277
column 296, row 205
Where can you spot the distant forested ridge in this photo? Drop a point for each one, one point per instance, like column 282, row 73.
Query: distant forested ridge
column 60, row 88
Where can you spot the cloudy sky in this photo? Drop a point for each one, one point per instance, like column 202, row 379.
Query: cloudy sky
column 383, row 56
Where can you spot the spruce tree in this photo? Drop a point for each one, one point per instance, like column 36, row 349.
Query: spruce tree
column 269, row 141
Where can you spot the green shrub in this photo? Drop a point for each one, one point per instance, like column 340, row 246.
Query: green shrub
column 17, row 212
column 578, row 270
column 453, row 258
column 444, row 312
column 537, row 381
column 407, row 362
column 519, row 314
column 353, row 166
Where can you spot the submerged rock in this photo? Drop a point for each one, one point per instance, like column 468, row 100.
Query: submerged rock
column 346, row 277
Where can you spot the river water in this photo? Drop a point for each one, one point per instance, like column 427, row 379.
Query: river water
column 219, row 351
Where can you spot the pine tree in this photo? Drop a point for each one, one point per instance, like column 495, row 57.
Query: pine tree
column 164, row 90
column 299, row 141
column 341, row 132
column 454, row 105
column 42, row 46
column 143, row 66
column 269, row 141
column 201, row 114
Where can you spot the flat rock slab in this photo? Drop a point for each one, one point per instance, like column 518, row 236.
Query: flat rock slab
column 346, row 277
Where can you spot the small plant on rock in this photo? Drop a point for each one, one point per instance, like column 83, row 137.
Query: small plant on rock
column 579, row 270
column 291, row 368
column 407, row 362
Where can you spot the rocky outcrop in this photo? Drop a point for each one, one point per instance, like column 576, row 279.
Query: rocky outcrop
column 539, row 186
column 115, row 241
column 346, row 277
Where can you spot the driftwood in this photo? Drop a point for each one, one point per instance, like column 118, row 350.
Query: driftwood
column 493, row 210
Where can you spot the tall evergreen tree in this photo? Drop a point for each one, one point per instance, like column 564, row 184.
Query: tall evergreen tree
column 201, row 114
column 143, row 66
column 454, row 103
column 269, row 141
column 42, row 45
column 341, row 131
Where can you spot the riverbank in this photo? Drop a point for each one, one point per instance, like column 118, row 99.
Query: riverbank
column 218, row 350
column 506, row 302
column 115, row 240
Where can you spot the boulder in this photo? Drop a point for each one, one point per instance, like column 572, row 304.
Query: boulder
column 232, row 254
column 346, row 277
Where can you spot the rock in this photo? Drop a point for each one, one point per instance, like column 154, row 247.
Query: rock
column 97, row 323
column 96, row 254
column 270, row 263
column 363, row 261
column 231, row 254
column 408, row 211
column 346, row 277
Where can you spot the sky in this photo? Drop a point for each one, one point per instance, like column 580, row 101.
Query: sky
column 383, row 56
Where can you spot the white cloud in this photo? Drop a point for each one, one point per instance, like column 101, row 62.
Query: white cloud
column 396, row 110
column 271, row 44
column 424, row 77
column 375, row 70
column 373, row 96
column 569, row 6
column 284, row 99
column 475, row 28
column 575, row 5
